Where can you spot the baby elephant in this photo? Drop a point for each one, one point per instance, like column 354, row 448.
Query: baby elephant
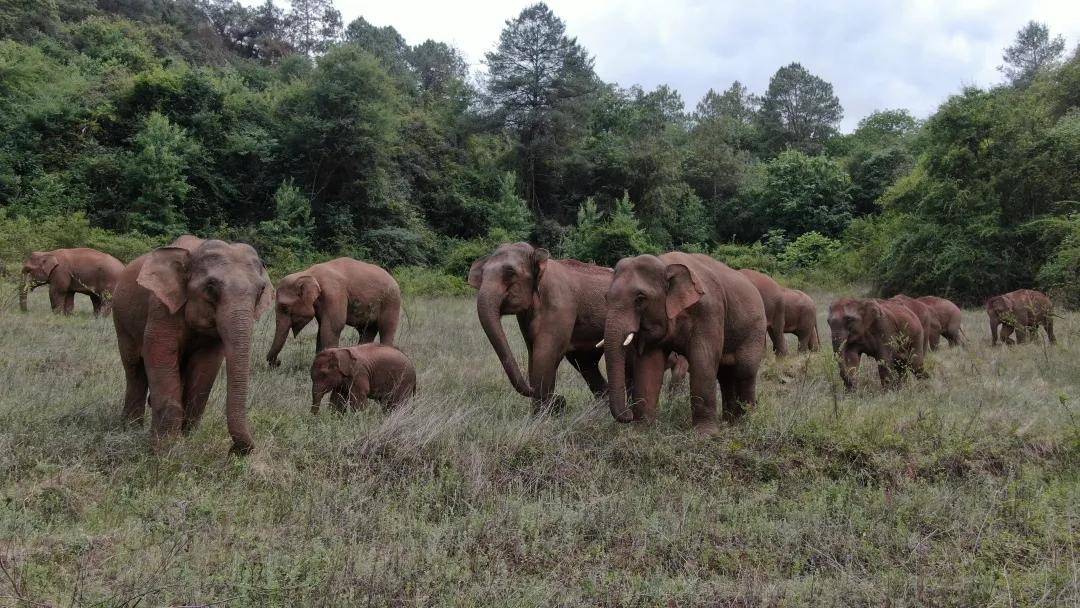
column 354, row 374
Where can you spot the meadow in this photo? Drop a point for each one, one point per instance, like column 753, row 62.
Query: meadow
column 962, row 489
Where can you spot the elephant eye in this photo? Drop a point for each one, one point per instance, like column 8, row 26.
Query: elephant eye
column 212, row 288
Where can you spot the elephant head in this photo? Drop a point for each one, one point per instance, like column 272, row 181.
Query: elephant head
column 646, row 297
column 506, row 282
column 36, row 270
column 330, row 369
column 297, row 295
column 852, row 321
column 217, row 290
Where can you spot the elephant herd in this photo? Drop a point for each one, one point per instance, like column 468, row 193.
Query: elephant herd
column 180, row 310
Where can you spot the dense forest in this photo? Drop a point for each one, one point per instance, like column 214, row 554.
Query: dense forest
column 126, row 122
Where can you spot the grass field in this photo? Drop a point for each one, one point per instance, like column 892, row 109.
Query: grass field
column 962, row 490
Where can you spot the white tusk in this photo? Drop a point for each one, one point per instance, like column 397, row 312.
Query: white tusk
column 600, row 344
column 628, row 339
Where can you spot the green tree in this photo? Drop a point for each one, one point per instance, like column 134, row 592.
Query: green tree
column 1031, row 52
column 155, row 175
column 537, row 77
column 798, row 111
column 313, row 25
column 796, row 193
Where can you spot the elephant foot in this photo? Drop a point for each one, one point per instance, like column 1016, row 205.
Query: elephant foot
column 707, row 429
column 241, row 449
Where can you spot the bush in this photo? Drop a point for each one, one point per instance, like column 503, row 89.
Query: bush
column 419, row 281
column 19, row 236
column 747, row 256
column 463, row 253
column 810, row 250
column 606, row 241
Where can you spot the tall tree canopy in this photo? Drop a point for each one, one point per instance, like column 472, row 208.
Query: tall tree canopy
column 799, row 111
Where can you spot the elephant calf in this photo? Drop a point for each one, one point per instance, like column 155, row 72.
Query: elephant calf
column 1022, row 311
column 800, row 318
column 883, row 329
column 71, row 271
column 949, row 318
column 353, row 375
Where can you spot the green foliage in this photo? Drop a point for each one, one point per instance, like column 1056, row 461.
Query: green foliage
column 416, row 281
column 509, row 215
column 21, row 235
column 809, row 250
column 607, row 240
column 155, row 175
column 1060, row 275
column 798, row 111
column 288, row 237
column 797, row 193
column 754, row 256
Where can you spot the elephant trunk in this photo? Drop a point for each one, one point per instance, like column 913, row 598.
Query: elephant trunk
column 280, row 334
column 616, row 332
column 235, row 327
column 317, row 393
column 488, row 302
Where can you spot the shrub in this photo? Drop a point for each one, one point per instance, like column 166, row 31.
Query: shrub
column 746, row 256
column 606, row 241
column 810, row 250
column 419, row 281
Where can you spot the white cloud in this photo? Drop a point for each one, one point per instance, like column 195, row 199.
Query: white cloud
column 886, row 54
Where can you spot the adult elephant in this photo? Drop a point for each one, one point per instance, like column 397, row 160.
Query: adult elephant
column 927, row 318
column 692, row 305
column 885, row 330
column 71, row 271
column 559, row 305
column 337, row 293
column 772, row 295
column 1022, row 311
column 179, row 311
column 949, row 317
column 800, row 318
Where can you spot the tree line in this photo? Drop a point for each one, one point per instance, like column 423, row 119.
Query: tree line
column 308, row 137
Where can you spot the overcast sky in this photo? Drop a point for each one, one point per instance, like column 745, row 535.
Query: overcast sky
column 877, row 54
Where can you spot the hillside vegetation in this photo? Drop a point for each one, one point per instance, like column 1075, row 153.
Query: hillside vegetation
column 312, row 138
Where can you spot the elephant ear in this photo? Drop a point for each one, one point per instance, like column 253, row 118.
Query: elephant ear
column 541, row 258
column 165, row 274
column 476, row 272
column 49, row 264
column 266, row 298
column 344, row 358
column 871, row 313
column 308, row 288
column 683, row 289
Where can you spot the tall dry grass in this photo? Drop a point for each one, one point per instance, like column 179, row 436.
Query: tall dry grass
column 958, row 490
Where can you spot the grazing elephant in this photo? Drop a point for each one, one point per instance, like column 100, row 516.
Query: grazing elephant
column 883, row 329
column 72, row 271
column 560, row 310
column 927, row 318
column 692, row 305
column 800, row 318
column 354, row 374
column 772, row 294
column 949, row 317
column 338, row 293
column 1022, row 311
column 178, row 312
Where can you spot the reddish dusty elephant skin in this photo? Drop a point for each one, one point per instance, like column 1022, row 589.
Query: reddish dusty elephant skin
column 692, row 305
column 179, row 311
column 1021, row 311
column 772, row 295
column 800, row 318
column 559, row 305
column 885, row 330
column 71, row 271
column 927, row 318
column 949, row 317
column 338, row 293
column 355, row 374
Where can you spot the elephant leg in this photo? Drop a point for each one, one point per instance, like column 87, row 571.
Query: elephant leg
column 885, row 373
column 776, row 334
column 69, row 302
column 135, row 392
column 389, row 317
column 804, row 340
column 1049, row 327
column 329, row 336
column 97, row 302
column 200, row 371
column 648, row 380
column 849, row 367
column 703, row 372
column 543, row 369
column 1006, row 334
column 358, row 392
column 588, row 365
column 729, row 395
column 339, row 400
column 57, row 297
